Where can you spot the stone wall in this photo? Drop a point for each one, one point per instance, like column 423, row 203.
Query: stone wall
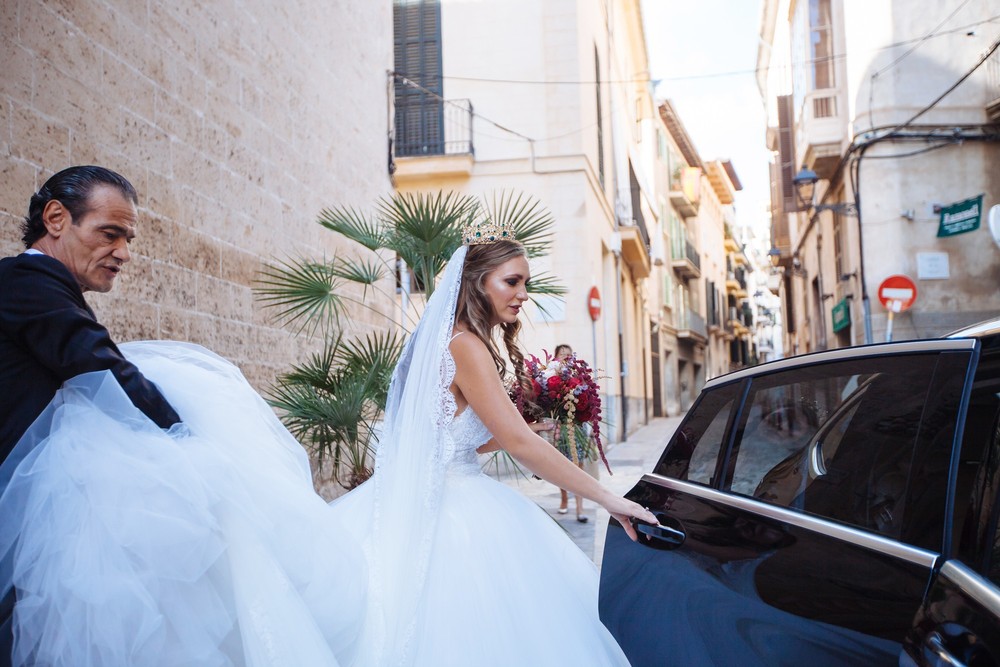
column 237, row 122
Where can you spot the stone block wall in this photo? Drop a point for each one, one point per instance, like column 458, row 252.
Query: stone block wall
column 236, row 121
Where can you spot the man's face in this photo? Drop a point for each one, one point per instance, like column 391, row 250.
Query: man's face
column 95, row 247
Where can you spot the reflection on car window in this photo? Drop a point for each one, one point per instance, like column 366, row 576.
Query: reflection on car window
column 693, row 452
column 978, row 477
column 839, row 439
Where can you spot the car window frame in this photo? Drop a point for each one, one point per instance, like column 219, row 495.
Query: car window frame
column 739, row 398
column 936, row 347
column 745, row 377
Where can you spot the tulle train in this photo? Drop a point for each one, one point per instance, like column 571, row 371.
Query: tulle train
column 202, row 546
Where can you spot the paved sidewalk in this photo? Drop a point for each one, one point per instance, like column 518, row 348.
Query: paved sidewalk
column 629, row 460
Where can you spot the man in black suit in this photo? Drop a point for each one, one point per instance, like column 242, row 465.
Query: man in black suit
column 77, row 233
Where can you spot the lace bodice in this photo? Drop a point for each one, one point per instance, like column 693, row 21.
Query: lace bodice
column 468, row 431
column 462, row 434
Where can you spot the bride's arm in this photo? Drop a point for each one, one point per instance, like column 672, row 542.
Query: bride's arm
column 476, row 377
column 492, row 445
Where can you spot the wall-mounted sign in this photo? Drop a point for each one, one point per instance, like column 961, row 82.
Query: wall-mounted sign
column 933, row 266
column 841, row 316
column 960, row 217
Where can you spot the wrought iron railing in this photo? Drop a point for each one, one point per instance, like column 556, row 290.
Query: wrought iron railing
column 429, row 126
column 689, row 320
column 692, row 254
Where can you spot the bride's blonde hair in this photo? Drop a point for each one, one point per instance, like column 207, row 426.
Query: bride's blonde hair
column 475, row 310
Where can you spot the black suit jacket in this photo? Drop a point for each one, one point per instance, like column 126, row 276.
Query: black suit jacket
column 48, row 334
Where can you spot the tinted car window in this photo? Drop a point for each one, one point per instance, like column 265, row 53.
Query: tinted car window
column 693, row 452
column 840, row 440
column 978, row 474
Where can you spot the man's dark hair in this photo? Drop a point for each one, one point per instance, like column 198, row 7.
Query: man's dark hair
column 72, row 188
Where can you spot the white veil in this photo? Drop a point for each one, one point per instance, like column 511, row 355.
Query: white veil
column 409, row 470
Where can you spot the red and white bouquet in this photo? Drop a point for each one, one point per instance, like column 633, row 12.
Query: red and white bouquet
column 564, row 390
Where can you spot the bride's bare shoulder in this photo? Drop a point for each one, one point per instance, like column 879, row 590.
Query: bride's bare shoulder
column 467, row 348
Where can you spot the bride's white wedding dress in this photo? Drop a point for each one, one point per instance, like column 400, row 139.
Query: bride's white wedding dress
column 462, row 569
column 504, row 585
column 203, row 546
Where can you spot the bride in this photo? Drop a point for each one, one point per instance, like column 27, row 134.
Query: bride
column 462, row 569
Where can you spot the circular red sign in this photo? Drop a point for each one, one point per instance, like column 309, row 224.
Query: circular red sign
column 897, row 293
column 594, row 303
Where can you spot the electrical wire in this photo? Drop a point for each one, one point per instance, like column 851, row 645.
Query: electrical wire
column 933, row 33
column 983, row 59
column 921, row 151
column 712, row 75
column 520, row 137
column 874, row 77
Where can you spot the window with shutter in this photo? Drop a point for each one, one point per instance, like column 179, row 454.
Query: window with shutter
column 419, row 96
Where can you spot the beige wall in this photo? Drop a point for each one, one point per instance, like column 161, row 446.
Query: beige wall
column 236, row 122
column 879, row 89
column 554, row 41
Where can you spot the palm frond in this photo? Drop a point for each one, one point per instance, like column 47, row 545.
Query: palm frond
column 532, row 223
column 376, row 350
column 546, row 284
column 433, row 220
column 302, row 293
column 501, row 458
column 362, row 271
column 318, row 369
column 372, row 359
column 354, row 225
column 426, row 229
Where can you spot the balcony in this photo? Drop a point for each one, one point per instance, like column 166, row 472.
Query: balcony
column 736, row 283
column 822, row 131
column 685, row 260
column 685, row 191
column 993, row 87
column 736, row 322
column 691, row 326
column 433, row 138
column 635, row 248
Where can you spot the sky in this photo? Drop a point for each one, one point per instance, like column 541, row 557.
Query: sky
column 689, row 42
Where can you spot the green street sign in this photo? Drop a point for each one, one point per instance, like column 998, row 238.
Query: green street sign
column 841, row 316
column 960, row 217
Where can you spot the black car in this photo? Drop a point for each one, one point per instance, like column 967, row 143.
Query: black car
column 837, row 508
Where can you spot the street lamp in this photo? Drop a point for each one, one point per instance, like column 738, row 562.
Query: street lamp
column 774, row 255
column 805, row 192
column 805, row 187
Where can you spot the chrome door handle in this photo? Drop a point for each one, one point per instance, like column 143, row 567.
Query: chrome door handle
column 934, row 646
column 664, row 534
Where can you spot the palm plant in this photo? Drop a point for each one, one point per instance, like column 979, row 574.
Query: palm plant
column 334, row 401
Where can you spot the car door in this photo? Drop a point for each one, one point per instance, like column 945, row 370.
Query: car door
column 802, row 510
column 959, row 620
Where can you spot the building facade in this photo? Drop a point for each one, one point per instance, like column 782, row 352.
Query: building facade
column 540, row 98
column 237, row 123
column 892, row 106
column 701, row 287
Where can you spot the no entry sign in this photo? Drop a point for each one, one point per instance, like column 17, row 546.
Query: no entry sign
column 594, row 304
column 897, row 293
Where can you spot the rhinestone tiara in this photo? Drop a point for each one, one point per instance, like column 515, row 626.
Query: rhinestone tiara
column 486, row 231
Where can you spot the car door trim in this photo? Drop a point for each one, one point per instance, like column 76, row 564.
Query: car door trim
column 854, row 536
column 840, row 354
column 972, row 584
